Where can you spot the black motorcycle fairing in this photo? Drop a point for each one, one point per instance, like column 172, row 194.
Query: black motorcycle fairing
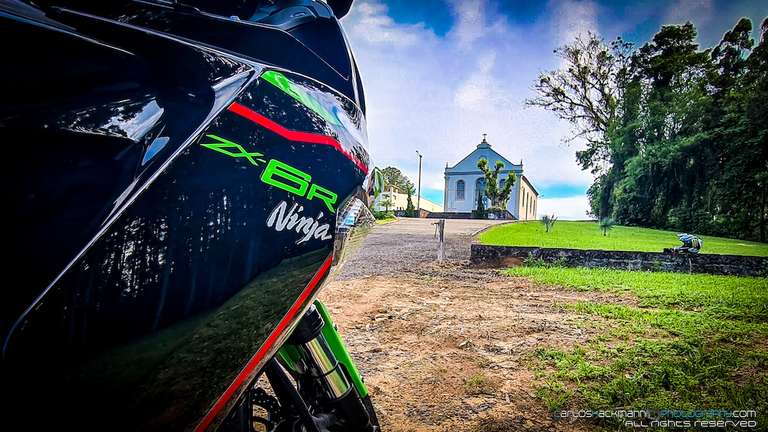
column 179, row 281
column 312, row 45
column 125, row 113
column 159, row 315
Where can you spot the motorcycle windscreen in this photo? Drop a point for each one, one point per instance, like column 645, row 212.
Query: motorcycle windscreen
column 162, row 322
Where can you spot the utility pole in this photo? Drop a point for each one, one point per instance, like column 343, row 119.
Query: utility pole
column 418, row 191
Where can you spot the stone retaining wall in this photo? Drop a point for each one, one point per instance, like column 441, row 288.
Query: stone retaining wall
column 655, row 261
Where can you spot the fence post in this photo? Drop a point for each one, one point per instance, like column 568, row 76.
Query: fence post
column 441, row 239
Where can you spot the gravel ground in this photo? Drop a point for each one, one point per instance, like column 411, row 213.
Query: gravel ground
column 444, row 346
column 397, row 246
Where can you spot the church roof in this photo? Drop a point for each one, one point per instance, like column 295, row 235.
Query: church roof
column 483, row 150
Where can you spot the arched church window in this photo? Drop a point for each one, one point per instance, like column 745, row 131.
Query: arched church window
column 460, row 190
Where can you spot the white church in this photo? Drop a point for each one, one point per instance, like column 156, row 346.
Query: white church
column 464, row 182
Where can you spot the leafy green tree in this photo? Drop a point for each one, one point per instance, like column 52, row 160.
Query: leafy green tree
column 498, row 196
column 410, row 210
column 676, row 136
column 387, row 202
column 671, row 71
column 393, row 177
column 743, row 189
column 480, row 212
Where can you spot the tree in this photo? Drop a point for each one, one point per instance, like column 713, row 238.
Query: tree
column 387, row 202
column 744, row 186
column 480, row 212
column 676, row 135
column 394, row 178
column 410, row 210
column 586, row 92
column 497, row 196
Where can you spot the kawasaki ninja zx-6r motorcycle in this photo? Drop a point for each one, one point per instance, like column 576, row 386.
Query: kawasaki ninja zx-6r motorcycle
column 181, row 178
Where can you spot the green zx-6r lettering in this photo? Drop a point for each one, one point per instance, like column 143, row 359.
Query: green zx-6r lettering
column 285, row 177
column 278, row 174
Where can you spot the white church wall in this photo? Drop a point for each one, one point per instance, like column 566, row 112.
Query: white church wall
column 513, row 199
column 453, row 203
column 527, row 202
column 466, row 170
column 469, row 203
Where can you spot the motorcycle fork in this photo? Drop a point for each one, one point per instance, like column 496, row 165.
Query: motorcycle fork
column 317, row 358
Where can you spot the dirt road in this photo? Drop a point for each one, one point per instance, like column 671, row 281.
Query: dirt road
column 396, row 246
column 444, row 347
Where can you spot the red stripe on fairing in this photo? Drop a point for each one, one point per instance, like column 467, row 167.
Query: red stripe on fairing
column 259, row 356
column 292, row 135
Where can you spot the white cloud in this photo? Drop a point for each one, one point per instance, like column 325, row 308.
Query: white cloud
column 372, row 24
column 435, row 95
column 572, row 18
column 699, row 12
column 571, row 208
column 473, row 23
column 477, row 91
column 470, row 21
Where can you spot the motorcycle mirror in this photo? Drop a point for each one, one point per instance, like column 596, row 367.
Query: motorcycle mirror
column 340, row 7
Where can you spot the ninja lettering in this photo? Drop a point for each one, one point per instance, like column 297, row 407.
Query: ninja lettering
column 281, row 219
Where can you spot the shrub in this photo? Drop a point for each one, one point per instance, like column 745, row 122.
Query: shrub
column 548, row 221
column 480, row 213
column 383, row 214
column 606, row 224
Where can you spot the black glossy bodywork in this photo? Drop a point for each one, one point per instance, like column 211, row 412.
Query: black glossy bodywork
column 144, row 275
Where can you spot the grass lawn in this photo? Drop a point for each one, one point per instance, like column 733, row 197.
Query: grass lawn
column 726, row 297
column 385, row 220
column 693, row 342
column 587, row 235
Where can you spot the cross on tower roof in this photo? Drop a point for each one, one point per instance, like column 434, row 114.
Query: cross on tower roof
column 484, row 143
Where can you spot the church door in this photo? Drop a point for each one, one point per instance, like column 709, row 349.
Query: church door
column 479, row 190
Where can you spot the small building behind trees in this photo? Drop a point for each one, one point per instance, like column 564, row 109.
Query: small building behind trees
column 399, row 201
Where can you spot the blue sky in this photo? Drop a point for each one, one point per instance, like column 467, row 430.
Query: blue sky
column 439, row 73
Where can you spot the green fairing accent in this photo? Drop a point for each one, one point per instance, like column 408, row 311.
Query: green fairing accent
column 223, row 144
column 340, row 350
column 300, row 94
column 289, row 356
column 276, row 172
column 378, row 182
column 283, row 176
column 323, row 194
